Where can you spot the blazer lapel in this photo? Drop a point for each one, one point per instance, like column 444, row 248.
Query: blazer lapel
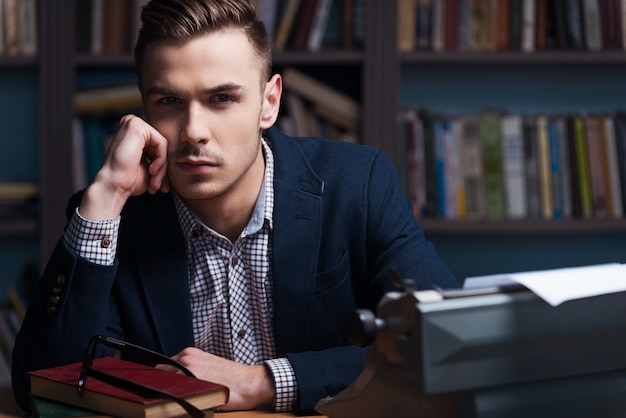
column 297, row 213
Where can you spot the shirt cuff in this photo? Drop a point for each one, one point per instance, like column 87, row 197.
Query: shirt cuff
column 285, row 382
column 94, row 241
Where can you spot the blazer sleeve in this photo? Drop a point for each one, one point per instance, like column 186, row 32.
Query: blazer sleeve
column 72, row 302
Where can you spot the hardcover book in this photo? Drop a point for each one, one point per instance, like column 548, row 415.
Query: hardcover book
column 60, row 384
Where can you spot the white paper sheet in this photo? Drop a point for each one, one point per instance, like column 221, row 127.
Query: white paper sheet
column 556, row 286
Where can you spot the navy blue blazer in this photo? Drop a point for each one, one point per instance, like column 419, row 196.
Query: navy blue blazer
column 340, row 221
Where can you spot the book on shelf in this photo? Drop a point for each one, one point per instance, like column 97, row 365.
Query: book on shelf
column 561, row 171
column 490, row 135
column 60, row 384
column 531, row 166
column 18, row 191
column 451, row 25
column 320, row 24
column 11, row 27
column 513, row 166
column 413, row 138
column 582, row 166
column 27, row 10
column 107, row 98
column 285, row 22
column 299, row 38
column 529, row 25
column 449, row 185
column 423, row 25
column 438, row 25
column 546, row 195
column 597, row 164
column 591, row 24
column 471, row 166
column 612, row 167
column 321, row 94
column 406, row 25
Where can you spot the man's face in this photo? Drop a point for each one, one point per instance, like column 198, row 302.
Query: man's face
column 207, row 99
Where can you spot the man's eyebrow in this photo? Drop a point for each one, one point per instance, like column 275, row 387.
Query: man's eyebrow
column 226, row 87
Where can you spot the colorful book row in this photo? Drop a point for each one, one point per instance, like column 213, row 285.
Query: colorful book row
column 498, row 165
column 511, row 25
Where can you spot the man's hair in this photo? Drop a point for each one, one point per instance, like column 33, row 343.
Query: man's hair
column 179, row 21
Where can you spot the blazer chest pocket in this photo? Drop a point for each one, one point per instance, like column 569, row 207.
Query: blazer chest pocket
column 333, row 277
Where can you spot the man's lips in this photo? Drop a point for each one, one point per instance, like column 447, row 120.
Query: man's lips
column 196, row 166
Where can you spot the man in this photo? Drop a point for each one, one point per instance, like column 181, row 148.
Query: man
column 210, row 236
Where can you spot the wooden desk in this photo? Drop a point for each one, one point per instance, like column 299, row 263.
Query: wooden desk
column 9, row 409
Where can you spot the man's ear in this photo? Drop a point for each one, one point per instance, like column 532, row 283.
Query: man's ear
column 271, row 101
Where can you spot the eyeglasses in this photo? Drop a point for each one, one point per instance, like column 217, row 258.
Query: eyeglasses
column 128, row 385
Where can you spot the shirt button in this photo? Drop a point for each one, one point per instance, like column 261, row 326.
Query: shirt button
column 233, row 261
column 241, row 333
column 106, row 242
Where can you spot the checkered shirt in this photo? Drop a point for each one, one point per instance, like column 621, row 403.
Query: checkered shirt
column 230, row 284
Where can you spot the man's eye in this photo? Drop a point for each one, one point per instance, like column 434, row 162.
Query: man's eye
column 222, row 98
column 169, row 100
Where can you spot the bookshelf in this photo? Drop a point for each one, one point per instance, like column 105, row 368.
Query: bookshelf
column 386, row 80
column 549, row 81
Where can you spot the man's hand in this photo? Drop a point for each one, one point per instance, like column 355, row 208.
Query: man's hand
column 125, row 171
column 250, row 386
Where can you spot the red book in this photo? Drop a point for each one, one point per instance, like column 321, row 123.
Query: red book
column 59, row 384
column 303, row 24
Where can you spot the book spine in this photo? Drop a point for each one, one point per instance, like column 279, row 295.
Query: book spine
column 582, row 158
column 452, row 25
column 489, row 126
column 513, row 167
column 529, row 126
column 529, row 17
column 285, row 25
column 591, row 20
column 472, row 167
column 440, row 167
column 12, row 28
column 28, row 28
column 319, row 24
column 406, row 25
column 556, row 170
column 596, row 166
column 566, row 172
column 613, row 167
column 423, row 25
column 545, row 175
column 302, row 25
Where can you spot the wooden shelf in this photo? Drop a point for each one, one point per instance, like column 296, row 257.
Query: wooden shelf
column 323, row 57
column 17, row 62
column 523, row 226
column 515, row 58
column 18, row 226
column 106, row 61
